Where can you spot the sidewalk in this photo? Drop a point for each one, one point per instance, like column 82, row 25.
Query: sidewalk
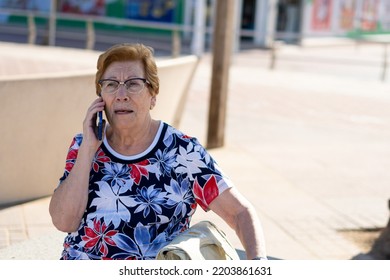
column 308, row 144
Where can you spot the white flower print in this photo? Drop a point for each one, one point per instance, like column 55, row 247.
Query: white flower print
column 189, row 162
column 179, row 196
column 111, row 205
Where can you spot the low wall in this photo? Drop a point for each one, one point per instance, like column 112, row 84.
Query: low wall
column 43, row 110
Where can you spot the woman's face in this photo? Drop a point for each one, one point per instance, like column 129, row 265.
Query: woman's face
column 125, row 109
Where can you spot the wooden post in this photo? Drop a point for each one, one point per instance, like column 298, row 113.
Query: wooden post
column 222, row 51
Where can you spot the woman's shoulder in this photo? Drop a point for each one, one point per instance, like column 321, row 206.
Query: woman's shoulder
column 171, row 131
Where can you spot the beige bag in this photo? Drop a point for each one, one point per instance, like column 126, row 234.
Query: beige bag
column 202, row 241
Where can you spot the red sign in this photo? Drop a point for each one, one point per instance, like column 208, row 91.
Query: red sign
column 322, row 14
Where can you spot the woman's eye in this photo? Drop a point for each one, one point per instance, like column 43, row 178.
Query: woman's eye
column 132, row 84
column 111, row 84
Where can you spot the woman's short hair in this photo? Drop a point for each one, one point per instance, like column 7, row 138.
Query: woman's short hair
column 123, row 52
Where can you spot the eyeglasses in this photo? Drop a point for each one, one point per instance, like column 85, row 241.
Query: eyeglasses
column 133, row 85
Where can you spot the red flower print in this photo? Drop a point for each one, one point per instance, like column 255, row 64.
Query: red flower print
column 71, row 159
column 193, row 207
column 138, row 170
column 99, row 157
column 206, row 194
column 72, row 154
column 69, row 165
column 98, row 238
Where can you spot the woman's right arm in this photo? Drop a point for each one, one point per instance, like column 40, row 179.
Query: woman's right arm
column 69, row 201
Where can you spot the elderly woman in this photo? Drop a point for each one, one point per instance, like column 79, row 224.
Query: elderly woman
column 130, row 194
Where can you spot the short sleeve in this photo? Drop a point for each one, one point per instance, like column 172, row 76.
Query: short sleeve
column 209, row 179
column 71, row 156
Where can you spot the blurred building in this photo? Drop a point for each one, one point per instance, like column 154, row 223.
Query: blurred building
column 257, row 21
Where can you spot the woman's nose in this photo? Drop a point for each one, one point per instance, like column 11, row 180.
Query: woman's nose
column 122, row 93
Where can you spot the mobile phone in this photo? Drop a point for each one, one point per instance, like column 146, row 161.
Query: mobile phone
column 100, row 126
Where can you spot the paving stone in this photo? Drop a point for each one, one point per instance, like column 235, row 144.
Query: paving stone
column 4, row 238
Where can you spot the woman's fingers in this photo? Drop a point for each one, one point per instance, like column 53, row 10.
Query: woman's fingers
column 89, row 125
column 96, row 106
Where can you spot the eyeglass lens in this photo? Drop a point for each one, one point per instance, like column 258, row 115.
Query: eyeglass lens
column 131, row 85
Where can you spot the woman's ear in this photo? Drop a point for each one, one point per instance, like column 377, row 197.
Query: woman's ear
column 152, row 102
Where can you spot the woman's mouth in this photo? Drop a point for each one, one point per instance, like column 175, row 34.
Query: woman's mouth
column 123, row 112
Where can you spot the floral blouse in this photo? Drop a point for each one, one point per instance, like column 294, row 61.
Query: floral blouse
column 138, row 204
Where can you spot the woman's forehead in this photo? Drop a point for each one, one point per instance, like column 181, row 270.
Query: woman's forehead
column 128, row 67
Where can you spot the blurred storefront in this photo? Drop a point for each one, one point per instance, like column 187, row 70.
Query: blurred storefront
column 346, row 17
column 299, row 19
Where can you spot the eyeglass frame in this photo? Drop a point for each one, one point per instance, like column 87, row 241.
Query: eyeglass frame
column 144, row 81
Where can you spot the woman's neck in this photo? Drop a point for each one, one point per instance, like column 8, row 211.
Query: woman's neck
column 132, row 141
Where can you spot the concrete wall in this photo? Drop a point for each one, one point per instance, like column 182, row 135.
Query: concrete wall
column 44, row 107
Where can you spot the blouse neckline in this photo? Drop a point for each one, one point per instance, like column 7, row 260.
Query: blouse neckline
column 137, row 156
